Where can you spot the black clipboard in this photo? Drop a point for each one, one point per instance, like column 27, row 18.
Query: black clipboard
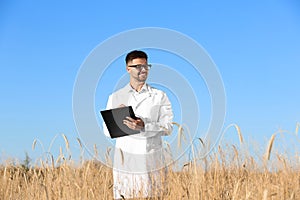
column 113, row 119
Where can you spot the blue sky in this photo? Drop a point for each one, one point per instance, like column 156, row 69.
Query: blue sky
column 254, row 44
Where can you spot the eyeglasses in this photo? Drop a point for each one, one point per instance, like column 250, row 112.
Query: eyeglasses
column 140, row 66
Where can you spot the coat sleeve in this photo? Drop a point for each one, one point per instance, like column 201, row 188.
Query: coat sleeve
column 108, row 106
column 163, row 126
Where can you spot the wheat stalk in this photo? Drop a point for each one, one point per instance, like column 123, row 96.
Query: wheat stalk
column 239, row 132
column 297, row 128
column 236, row 188
column 79, row 142
column 107, row 157
column 52, row 161
column 58, row 159
column 180, row 133
column 81, row 150
column 292, row 195
column 52, row 142
column 95, row 151
column 66, row 141
column 33, row 144
column 60, row 151
column 203, row 144
column 265, row 195
column 236, row 153
column 269, row 148
column 168, row 145
column 35, row 141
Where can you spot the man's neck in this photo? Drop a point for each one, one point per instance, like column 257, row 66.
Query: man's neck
column 137, row 86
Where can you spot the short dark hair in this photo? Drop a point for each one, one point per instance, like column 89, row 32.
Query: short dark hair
column 135, row 54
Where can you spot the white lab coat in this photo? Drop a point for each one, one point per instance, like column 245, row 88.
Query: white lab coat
column 139, row 159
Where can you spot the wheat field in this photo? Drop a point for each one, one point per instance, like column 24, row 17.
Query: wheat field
column 227, row 173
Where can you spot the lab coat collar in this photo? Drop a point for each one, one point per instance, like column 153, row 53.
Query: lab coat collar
column 145, row 93
column 145, row 88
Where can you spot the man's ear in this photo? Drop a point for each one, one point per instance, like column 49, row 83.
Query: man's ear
column 127, row 69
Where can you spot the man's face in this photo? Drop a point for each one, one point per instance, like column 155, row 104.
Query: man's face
column 139, row 75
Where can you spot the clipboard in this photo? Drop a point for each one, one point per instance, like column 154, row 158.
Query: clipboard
column 113, row 119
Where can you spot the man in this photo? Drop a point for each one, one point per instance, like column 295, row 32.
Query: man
column 138, row 158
